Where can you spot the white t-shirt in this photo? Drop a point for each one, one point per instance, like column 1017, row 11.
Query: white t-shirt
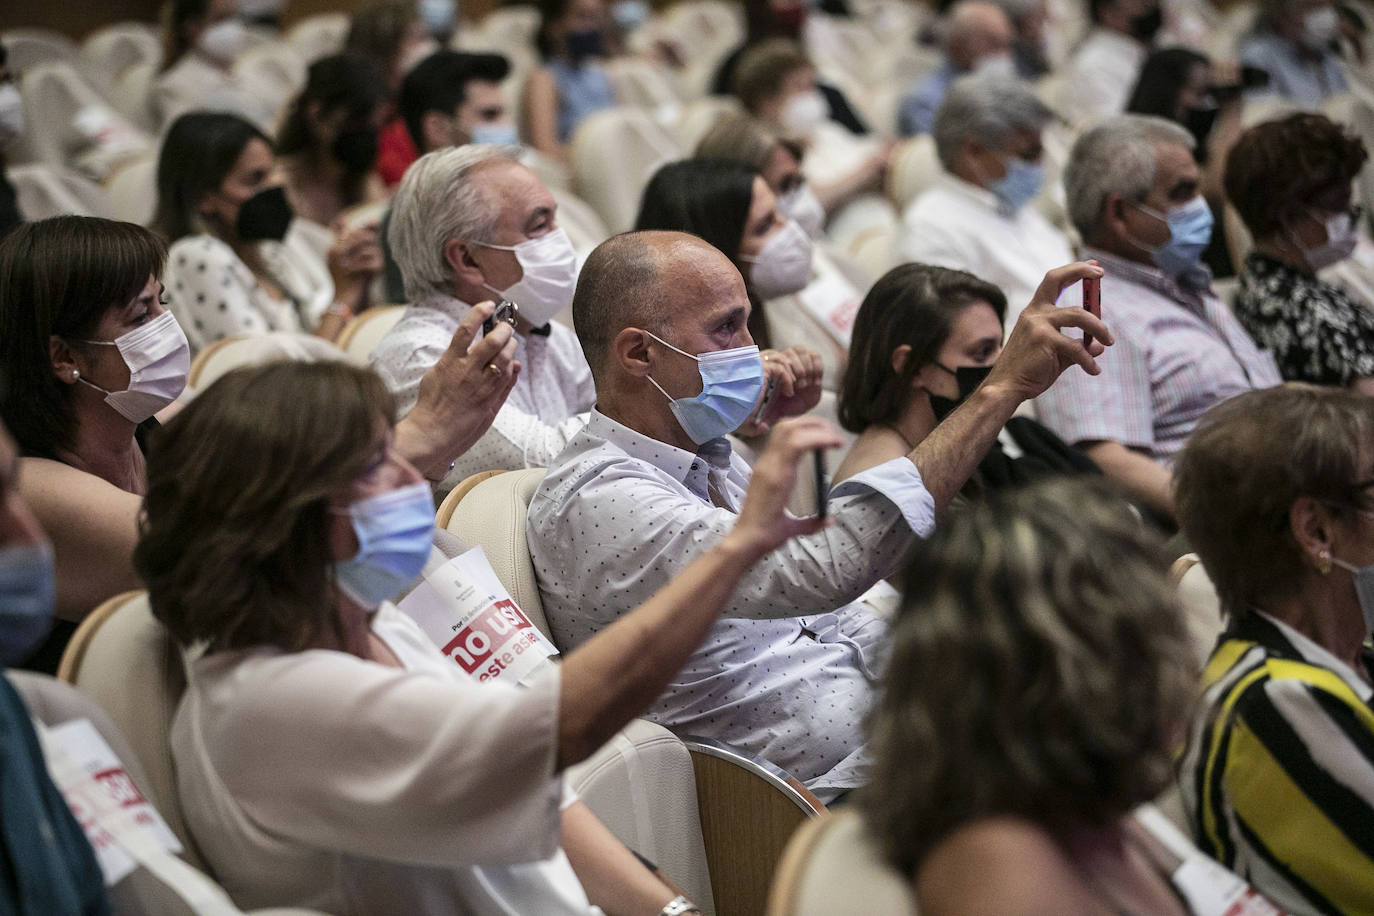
column 321, row 780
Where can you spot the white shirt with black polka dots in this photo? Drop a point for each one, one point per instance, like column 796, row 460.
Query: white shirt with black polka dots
column 788, row 672
column 214, row 295
column 545, row 408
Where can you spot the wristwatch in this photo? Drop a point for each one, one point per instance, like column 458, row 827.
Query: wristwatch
column 678, row 906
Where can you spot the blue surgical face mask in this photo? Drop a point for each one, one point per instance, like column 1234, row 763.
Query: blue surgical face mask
column 502, row 133
column 28, row 590
column 1190, row 230
column 1019, row 185
column 731, row 382
column 395, row 531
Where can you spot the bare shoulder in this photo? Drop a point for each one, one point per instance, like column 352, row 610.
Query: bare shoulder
column 1004, row 866
column 54, row 489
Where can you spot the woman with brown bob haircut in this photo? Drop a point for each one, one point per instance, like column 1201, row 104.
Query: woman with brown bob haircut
column 1040, row 674
column 337, row 759
column 1275, row 491
column 1291, row 181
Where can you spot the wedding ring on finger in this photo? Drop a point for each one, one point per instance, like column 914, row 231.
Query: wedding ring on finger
column 493, row 369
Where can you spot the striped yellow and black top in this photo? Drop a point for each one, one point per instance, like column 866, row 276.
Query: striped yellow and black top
column 1278, row 773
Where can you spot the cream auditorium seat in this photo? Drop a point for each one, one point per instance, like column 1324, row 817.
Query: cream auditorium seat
column 614, row 154
column 915, row 166
column 26, row 48
column 832, row 863
column 364, row 331
column 1201, row 606
column 238, row 351
column 45, row 190
column 319, row 35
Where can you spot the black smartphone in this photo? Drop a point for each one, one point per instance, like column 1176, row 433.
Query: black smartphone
column 822, row 482
column 1092, row 302
column 506, row 311
column 764, row 401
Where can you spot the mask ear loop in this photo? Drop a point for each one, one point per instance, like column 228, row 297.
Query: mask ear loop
column 665, row 343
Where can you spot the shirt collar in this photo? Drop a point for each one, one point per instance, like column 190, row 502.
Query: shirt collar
column 670, row 459
column 1187, row 287
column 1280, row 639
column 982, row 196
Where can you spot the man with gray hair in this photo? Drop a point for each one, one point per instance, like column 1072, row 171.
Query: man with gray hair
column 1133, row 194
column 977, row 216
column 471, row 224
column 977, row 39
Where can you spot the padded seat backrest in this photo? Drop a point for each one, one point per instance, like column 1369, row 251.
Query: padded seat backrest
column 1201, row 606
column 614, row 153
column 45, row 190
column 319, row 35
column 363, row 332
column 27, row 48
column 915, row 166
column 641, row 785
column 108, row 52
column 831, row 863
column 232, row 353
column 492, row 516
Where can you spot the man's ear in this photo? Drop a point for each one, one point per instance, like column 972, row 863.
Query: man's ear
column 630, row 351
column 1114, row 215
column 434, row 127
column 458, row 254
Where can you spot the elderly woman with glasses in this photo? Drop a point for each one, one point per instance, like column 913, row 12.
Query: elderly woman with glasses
column 1276, row 493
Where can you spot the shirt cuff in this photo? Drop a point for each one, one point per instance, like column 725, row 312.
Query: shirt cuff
column 901, row 483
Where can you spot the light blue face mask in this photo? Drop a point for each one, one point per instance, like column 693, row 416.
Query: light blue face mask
column 395, row 531
column 502, row 133
column 1020, row 185
column 439, row 16
column 1190, row 230
column 731, row 382
column 28, row 590
column 629, row 15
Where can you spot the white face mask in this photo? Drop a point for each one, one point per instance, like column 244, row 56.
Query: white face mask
column 804, row 112
column 11, row 114
column 802, row 205
column 1341, row 239
column 783, row 264
column 1000, row 65
column 1320, row 27
column 222, row 41
column 1364, row 589
column 550, row 266
column 158, row 358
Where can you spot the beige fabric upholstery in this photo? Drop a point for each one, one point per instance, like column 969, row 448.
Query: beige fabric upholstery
column 363, row 332
column 641, row 785
column 915, row 166
column 319, row 35
column 133, row 191
column 231, row 353
column 1201, row 606
column 45, row 190
column 614, row 153
column 492, row 516
column 833, row 862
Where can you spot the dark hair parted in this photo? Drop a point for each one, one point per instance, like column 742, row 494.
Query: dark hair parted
column 346, row 82
column 58, row 277
column 913, row 305
column 1163, row 77
column 1277, row 168
column 440, row 83
column 1245, row 465
column 197, row 154
column 234, row 541
column 1040, row 669
column 709, row 198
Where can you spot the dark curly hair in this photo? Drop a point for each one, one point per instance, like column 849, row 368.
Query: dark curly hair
column 1277, row 168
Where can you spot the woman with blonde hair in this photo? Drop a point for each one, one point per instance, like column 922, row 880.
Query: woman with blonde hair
column 1039, row 678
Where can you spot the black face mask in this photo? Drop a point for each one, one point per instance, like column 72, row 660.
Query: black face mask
column 265, row 216
column 356, row 149
column 1198, row 122
column 583, row 44
column 967, row 378
column 1147, row 25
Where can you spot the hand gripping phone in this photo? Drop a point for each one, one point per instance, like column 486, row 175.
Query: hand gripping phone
column 1092, row 302
column 506, row 311
column 822, row 482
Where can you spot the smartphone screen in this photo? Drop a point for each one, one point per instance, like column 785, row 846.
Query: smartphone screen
column 506, row 311
column 822, row 483
column 1092, row 302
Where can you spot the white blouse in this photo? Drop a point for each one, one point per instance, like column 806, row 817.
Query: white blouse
column 215, row 295
column 318, row 779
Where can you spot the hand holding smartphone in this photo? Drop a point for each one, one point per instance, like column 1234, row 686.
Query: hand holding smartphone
column 506, row 311
column 822, row 482
column 1092, row 302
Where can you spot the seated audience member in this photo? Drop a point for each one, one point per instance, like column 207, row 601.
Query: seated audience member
column 728, row 204
column 767, row 20
column 924, row 339
column 201, row 41
column 650, row 483
column 328, row 142
column 1185, row 87
column 88, row 354
column 1105, row 66
column 778, row 161
column 1295, row 43
column 458, row 804
column 11, row 127
column 1028, row 21
column 978, row 215
column 49, row 865
column 394, row 36
column 1275, row 491
column 234, row 266
column 1133, row 194
column 451, row 98
column 978, row 38
column 572, row 83
column 471, row 224
column 1290, row 181
column 776, row 83
column 1040, row 673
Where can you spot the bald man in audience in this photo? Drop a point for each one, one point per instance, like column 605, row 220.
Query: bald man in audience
column 651, row 482
column 978, row 39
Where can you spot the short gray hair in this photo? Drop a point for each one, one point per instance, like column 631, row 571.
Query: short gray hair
column 987, row 108
column 437, row 202
column 1117, row 156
